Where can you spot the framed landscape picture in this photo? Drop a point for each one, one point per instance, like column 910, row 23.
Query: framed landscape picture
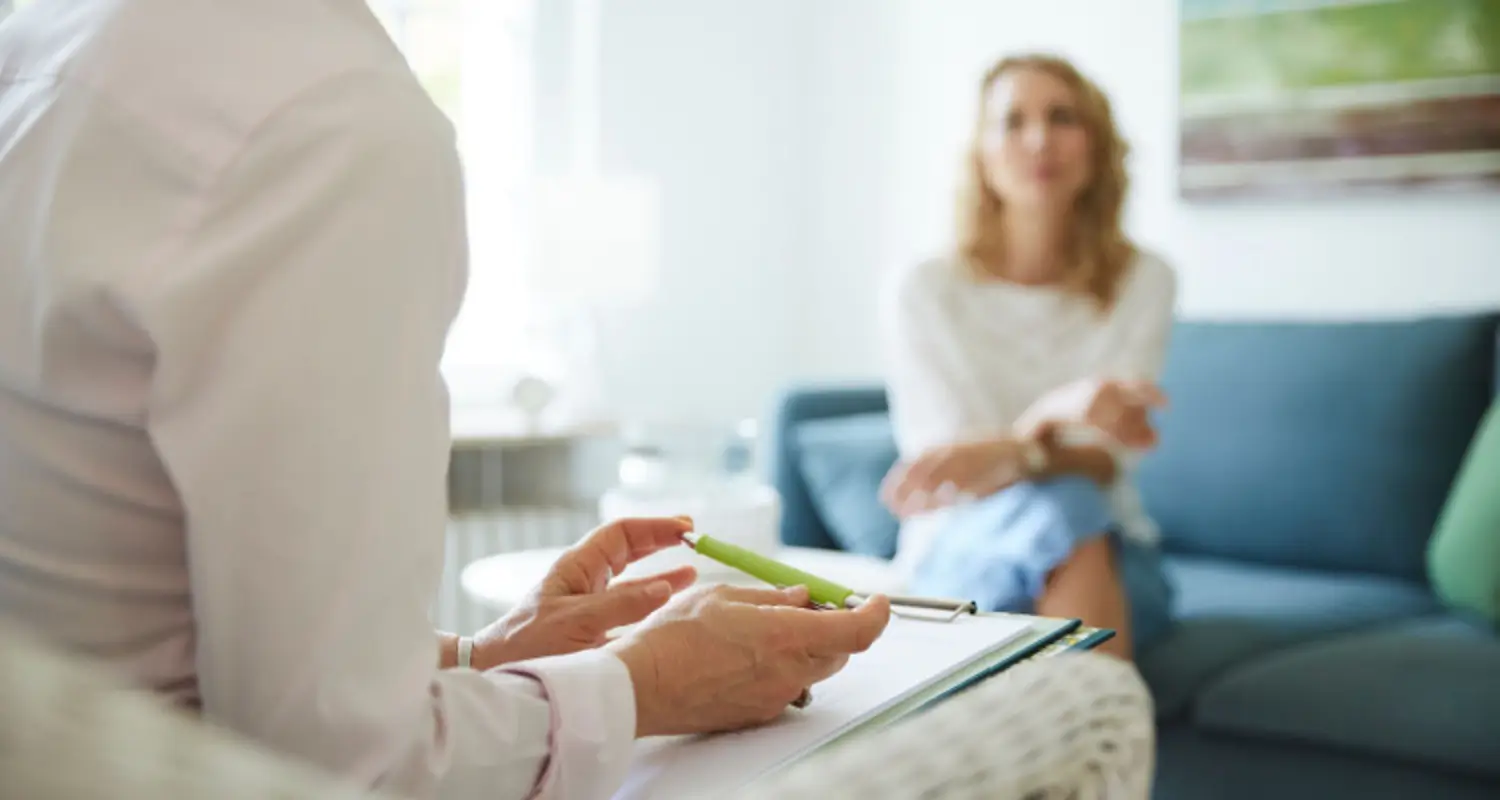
column 1281, row 97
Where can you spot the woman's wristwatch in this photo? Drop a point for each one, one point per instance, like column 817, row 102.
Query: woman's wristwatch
column 1036, row 456
column 465, row 652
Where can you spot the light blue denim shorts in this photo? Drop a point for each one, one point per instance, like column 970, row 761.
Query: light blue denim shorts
column 998, row 552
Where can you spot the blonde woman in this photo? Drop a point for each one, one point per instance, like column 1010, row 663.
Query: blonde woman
column 1021, row 370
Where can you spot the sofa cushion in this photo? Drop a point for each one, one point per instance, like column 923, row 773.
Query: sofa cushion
column 1192, row 764
column 1321, row 445
column 1227, row 614
column 1464, row 557
column 1424, row 691
column 843, row 460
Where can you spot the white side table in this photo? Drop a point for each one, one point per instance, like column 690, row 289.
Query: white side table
column 502, row 581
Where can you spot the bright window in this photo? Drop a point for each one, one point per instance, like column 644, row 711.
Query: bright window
column 475, row 58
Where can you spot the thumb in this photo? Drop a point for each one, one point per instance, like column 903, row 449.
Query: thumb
column 795, row 596
column 1144, row 393
column 627, row 604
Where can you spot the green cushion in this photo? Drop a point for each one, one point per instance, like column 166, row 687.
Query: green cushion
column 1463, row 558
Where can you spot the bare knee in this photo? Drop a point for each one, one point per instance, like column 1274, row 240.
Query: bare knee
column 1093, row 557
column 1087, row 585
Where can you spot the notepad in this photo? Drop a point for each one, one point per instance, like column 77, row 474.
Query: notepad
column 909, row 657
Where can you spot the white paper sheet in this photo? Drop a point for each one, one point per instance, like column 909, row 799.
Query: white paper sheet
column 910, row 655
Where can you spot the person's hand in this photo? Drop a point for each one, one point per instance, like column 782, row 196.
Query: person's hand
column 721, row 658
column 947, row 475
column 576, row 604
column 1120, row 409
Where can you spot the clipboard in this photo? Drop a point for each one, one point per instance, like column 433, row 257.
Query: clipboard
column 863, row 698
column 1049, row 637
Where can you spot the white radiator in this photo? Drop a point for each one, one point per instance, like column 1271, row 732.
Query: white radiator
column 478, row 534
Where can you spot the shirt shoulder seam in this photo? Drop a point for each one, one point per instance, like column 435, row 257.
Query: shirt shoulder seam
column 190, row 217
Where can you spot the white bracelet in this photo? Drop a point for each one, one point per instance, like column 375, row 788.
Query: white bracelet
column 1035, row 456
column 465, row 652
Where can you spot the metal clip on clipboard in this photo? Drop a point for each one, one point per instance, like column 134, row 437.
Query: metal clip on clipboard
column 822, row 592
column 952, row 609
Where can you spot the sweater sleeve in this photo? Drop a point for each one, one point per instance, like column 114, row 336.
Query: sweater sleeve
column 932, row 391
column 1150, row 303
column 1149, row 308
column 1146, row 311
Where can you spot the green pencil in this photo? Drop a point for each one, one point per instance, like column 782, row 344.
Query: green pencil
column 820, row 590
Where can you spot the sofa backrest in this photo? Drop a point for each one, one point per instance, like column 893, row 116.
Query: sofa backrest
column 1322, row 445
column 826, row 451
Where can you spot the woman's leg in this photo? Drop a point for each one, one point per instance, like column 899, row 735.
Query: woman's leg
column 1050, row 549
column 1113, row 582
column 1087, row 586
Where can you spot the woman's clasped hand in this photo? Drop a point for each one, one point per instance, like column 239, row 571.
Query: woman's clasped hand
column 1118, row 410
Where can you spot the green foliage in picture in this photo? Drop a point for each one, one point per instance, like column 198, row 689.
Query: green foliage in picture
column 1341, row 44
column 1296, row 96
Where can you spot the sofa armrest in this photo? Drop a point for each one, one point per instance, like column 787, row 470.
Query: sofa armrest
column 800, row 524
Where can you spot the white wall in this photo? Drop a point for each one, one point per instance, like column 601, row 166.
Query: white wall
column 901, row 128
column 706, row 97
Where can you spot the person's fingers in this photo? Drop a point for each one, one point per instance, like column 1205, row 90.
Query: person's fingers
column 1140, row 420
column 624, row 605
column 900, row 483
column 892, row 480
column 632, row 539
column 953, row 472
column 1145, row 393
column 1122, row 410
column 795, row 596
column 1135, row 429
column 1105, row 412
column 588, row 566
column 920, row 480
column 833, row 633
column 821, row 668
column 679, row 577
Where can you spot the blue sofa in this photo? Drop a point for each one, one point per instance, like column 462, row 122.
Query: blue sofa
column 1300, row 472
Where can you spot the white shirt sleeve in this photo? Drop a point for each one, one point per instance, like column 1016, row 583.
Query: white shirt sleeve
column 299, row 321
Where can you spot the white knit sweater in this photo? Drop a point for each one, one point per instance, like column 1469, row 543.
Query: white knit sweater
column 966, row 358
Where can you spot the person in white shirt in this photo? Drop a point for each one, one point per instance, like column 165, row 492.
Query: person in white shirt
column 1022, row 368
column 232, row 243
column 1079, row 725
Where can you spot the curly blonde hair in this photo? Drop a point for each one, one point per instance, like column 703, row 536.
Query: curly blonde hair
column 1101, row 253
